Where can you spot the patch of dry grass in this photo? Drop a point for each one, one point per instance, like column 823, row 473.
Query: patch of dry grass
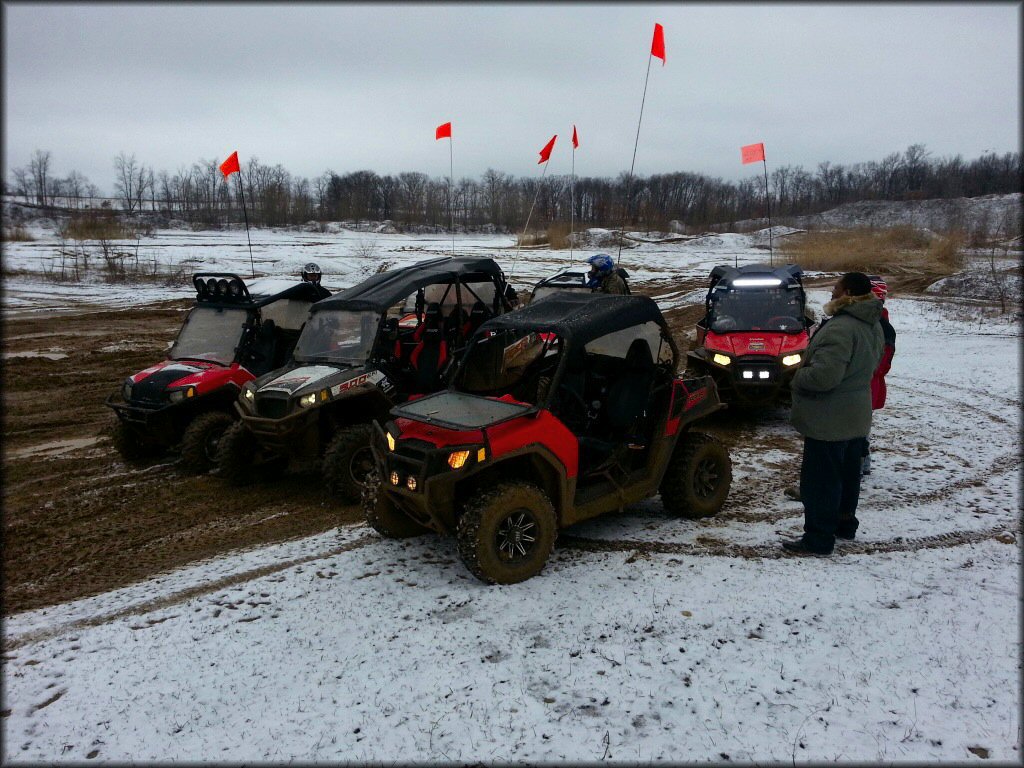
column 17, row 234
column 556, row 237
column 893, row 251
column 97, row 225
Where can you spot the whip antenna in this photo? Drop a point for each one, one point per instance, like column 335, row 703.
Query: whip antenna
column 657, row 49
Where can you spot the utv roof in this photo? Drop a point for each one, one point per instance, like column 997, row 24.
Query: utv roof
column 789, row 274
column 231, row 290
column 378, row 292
column 580, row 317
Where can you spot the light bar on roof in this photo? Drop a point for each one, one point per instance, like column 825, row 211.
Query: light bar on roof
column 756, row 282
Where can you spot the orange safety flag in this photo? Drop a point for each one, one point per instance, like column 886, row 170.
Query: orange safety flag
column 444, row 131
column 752, row 153
column 546, row 152
column 658, row 44
column 230, row 165
column 575, row 140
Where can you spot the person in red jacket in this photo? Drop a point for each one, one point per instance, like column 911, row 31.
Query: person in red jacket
column 881, row 290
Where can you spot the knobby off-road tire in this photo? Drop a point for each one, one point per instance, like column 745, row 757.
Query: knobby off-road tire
column 698, row 477
column 506, row 534
column 236, row 455
column 133, row 448
column 347, row 462
column 201, row 441
column 383, row 516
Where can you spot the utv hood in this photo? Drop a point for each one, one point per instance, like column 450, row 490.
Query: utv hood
column 755, row 343
column 312, row 378
column 460, row 411
column 151, row 385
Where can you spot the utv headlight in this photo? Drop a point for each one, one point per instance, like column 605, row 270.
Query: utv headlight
column 721, row 359
column 177, row 395
column 307, row 400
column 249, row 396
column 457, row 459
column 791, row 359
column 126, row 390
column 391, row 441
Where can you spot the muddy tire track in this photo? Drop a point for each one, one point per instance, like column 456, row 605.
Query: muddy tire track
column 773, row 551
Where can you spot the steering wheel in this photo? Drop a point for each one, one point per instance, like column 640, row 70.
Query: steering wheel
column 783, row 320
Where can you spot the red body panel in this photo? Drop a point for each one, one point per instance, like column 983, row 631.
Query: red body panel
column 679, row 390
column 756, row 343
column 205, row 377
column 439, row 437
column 505, row 437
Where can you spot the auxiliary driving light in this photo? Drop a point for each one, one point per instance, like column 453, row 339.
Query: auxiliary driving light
column 748, row 374
column 394, row 478
column 721, row 359
column 410, row 483
column 762, row 374
column 457, row 459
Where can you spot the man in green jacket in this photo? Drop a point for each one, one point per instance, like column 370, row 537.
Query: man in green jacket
column 831, row 395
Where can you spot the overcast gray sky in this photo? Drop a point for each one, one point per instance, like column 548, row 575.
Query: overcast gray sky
column 362, row 86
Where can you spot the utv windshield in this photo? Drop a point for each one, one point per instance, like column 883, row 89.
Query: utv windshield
column 210, row 333
column 756, row 309
column 547, row 290
column 501, row 361
column 337, row 336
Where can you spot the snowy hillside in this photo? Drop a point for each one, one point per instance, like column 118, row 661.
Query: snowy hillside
column 967, row 213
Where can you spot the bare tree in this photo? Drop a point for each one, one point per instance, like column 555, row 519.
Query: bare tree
column 22, row 183
column 127, row 181
column 39, row 169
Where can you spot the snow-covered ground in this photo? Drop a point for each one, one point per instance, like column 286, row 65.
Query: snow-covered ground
column 646, row 638
column 346, row 257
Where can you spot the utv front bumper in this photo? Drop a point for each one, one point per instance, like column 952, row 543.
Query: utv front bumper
column 417, row 478
column 280, row 434
column 162, row 422
column 750, row 377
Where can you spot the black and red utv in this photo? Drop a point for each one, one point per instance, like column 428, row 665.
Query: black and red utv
column 362, row 351
column 566, row 409
column 235, row 332
column 754, row 332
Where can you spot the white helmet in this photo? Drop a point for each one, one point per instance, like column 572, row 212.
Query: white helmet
column 311, row 273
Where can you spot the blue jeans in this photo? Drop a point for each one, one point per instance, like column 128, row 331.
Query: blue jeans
column 830, row 489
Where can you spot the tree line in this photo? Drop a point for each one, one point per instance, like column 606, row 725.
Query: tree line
column 199, row 194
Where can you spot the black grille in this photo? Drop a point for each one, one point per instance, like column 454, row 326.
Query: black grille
column 270, row 407
column 410, row 458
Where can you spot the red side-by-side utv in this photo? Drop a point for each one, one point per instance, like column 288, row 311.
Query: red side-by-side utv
column 563, row 410
column 754, row 332
column 235, row 332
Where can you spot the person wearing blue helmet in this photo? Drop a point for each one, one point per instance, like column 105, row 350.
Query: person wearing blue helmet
column 604, row 277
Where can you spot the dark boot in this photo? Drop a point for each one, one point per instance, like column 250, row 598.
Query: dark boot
column 799, row 547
